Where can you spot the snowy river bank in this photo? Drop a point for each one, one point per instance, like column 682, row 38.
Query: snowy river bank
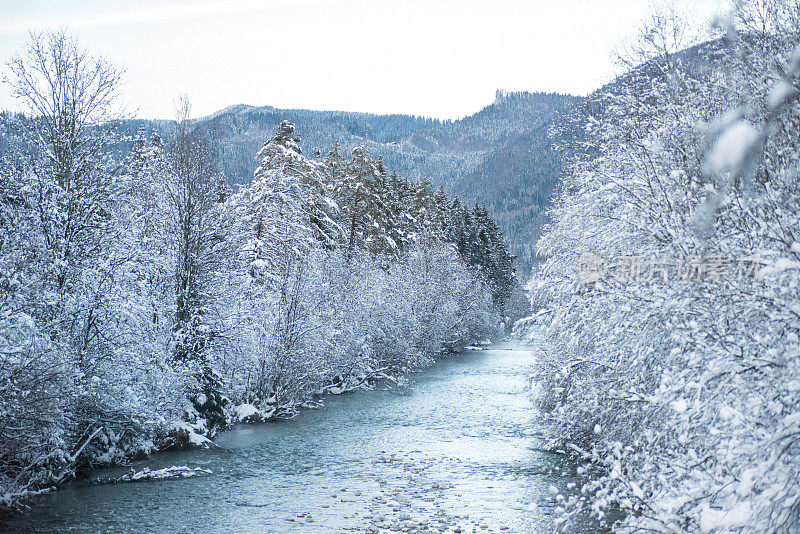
column 458, row 451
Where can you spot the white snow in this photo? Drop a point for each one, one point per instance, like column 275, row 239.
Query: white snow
column 680, row 405
column 198, row 439
column 779, row 94
column 195, row 438
column 746, row 483
column 243, row 411
column 732, row 147
column 712, row 519
column 174, row 471
column 637, row 491
column 780, row 265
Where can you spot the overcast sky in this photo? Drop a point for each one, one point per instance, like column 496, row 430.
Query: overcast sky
column 438, row 58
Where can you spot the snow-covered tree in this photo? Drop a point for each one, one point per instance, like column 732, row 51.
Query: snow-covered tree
column 81, row 365
column 670, row 367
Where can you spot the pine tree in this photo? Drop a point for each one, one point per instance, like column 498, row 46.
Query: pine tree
column 359, row 194
column 278, row 220
column 286, row 207
column 440, row 213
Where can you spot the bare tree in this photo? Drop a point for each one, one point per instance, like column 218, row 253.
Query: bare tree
column 192, row 190
column 71, row 97
column 664, row 32
column 56, row 238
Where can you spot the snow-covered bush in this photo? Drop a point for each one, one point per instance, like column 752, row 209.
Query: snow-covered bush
column 672, row 368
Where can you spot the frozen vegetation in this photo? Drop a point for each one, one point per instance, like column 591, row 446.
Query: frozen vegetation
column 148, row 301
column 673, row 373
column 145, row 305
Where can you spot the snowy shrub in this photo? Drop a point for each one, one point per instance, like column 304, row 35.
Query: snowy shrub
column 674, row 373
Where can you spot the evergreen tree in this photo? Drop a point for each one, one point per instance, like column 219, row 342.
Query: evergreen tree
column 359, row 194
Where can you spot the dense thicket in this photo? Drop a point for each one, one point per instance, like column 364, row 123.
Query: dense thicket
column 670, row 286
column 144, row 304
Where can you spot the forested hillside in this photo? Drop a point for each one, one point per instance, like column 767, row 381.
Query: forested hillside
column 667, row 302
column 501, row 156
column 146, row 305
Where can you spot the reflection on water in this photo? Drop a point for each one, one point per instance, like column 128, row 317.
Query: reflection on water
column 457, row 451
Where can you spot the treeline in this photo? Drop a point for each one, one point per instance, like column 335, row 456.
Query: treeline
column 145, row 305
column 668, row 291
column 501, row 155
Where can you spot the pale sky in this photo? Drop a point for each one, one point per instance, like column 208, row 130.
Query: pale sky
column 436, row 58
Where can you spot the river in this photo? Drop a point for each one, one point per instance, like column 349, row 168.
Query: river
column 457, row 451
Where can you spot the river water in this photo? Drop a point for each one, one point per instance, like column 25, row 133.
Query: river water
column 458, row 450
